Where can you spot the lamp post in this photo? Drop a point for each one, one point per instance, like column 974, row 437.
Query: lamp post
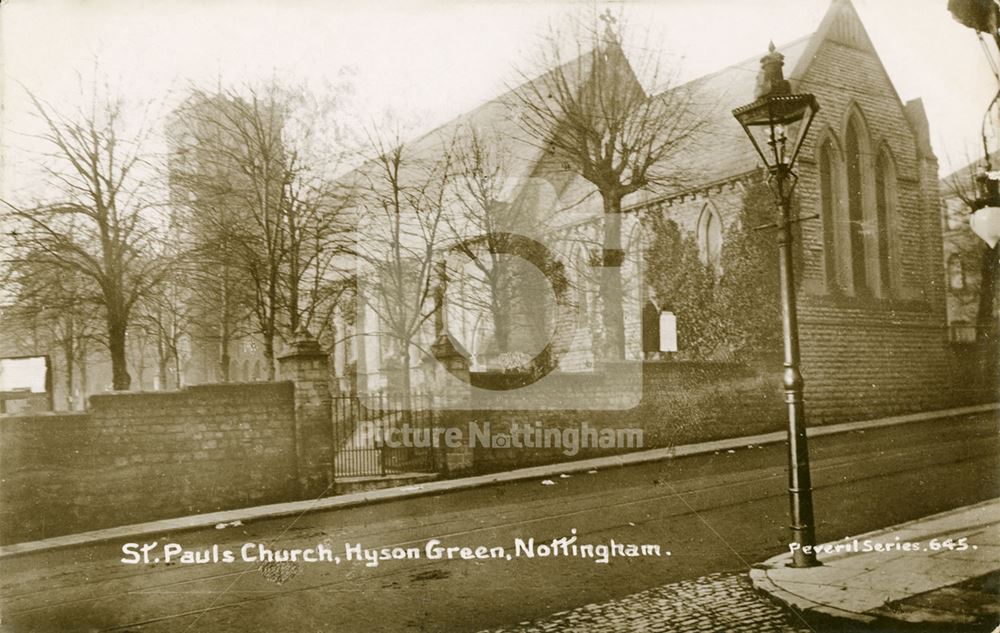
column 777, row 122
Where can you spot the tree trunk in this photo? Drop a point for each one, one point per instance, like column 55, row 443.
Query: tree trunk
column 82, row 404
column 269, row 354
column 178, row 383
column 293, row 273
column 225, row 360
column 161, row 362
column 501, row 306
column 405, row 398
column 611, row 281
column 68, row 355
column 120, row 379
column 225, row 334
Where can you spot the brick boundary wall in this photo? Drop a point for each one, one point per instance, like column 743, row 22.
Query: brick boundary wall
column 687, row 402
column 682, row 402
column 136, row 457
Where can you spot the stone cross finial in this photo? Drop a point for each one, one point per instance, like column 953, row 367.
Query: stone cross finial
column 609, row 25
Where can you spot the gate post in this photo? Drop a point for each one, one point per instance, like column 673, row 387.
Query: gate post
column 452, row 391
column 308, row 367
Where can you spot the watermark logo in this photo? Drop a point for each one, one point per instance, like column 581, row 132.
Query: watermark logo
column 496, row 302
column 531, row 435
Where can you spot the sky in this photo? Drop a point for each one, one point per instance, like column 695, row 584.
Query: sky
column 431, row 60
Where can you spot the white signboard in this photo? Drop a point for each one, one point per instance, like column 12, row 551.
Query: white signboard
column 23, row 374
column 668, row 332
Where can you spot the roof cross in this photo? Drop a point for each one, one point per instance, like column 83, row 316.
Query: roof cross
column 609, row 24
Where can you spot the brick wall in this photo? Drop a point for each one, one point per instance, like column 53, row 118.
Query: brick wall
column 681, row 403
column 688, row 402
column 864, row 357
column 140, row 457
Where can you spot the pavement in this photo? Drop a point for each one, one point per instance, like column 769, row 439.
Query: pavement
column 941, row 571
column 947, row 578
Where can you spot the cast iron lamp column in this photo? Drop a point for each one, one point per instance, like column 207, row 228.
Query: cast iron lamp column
column 769, row 121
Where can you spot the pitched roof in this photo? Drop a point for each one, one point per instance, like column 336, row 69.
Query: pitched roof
column 721, row 150
column 492, row 119
column 497, row 119
column 718, row 152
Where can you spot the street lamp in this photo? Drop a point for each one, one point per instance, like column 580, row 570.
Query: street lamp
column 777, row 122
column 985, row 220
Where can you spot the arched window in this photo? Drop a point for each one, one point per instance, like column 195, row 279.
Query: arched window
column 855, row 210
column 828, row 164
column 710, row 237
column 885, row 212
column 956, row 272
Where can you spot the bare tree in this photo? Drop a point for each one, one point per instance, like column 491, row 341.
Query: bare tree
column 167, row 318
column 263, row 202
column 592, row 116
column 317, row 274
column 52, row 309
column 218, row 297
column 400, row 203
column 490, row 216
column 100, row 224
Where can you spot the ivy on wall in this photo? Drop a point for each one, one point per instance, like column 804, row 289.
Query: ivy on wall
column 731, row 312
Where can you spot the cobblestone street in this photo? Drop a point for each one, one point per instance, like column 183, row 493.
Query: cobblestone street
column 718, row 602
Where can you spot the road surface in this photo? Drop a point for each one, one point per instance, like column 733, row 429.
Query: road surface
column 714, row 514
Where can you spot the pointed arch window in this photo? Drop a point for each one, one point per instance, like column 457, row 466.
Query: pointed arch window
column 885, row 212
column 829, row 164
column 855, row 210
column 710, row 237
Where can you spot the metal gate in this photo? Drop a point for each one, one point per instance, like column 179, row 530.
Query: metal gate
column 379, row 434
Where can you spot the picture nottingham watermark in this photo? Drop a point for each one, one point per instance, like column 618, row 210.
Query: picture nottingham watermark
column 518, row 436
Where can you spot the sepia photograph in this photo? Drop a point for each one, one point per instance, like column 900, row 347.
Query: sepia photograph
column 500, row 316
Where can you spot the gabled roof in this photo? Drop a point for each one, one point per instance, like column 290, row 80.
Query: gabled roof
column 497, row 119
column 717, row 153
column 721, row 150
column 493, row 119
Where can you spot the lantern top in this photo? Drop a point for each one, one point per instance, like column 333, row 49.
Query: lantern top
column 771, row 78
column 776, row 109
column 774, row 103
column 777, row 120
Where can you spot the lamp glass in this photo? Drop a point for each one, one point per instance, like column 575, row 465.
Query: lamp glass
column 777, row 126
column 985, row 223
